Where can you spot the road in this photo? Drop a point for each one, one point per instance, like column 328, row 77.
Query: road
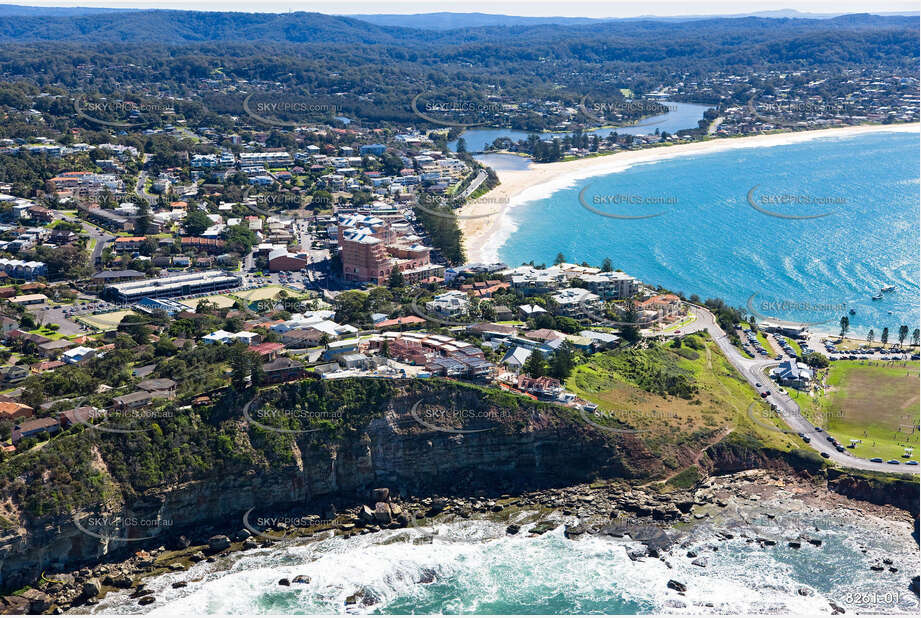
column 481, row 176
column 141, row 189
column 97, row 233
column 754, row 371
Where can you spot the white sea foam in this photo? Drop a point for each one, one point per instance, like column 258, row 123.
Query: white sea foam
column 477, row 568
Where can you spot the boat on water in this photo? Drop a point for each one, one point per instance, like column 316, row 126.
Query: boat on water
column 878, row 296
column 852, row 312
column 887, row 288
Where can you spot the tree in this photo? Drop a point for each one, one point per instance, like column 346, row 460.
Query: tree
column 871, row 335
column 396, row 279
column 916, row 337
column 629, row 330
column 196, row 222
column 903, row 333
column 606, row 265
column 256, row 372
column 562, row 363
column 240, row 238
column 142, row 223
column 560, row 258
column 239, row 365
column 845, row 324
column 461, row 146
column 535, row 366
column 884, row 338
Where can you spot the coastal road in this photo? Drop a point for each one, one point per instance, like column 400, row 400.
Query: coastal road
column 754, row 370
column 481, row 176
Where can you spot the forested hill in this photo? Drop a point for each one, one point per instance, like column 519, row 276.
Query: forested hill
column 182, row 27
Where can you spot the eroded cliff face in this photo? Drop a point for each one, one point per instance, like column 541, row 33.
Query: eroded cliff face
column 494, row 449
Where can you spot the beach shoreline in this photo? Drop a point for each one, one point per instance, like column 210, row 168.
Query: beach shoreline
column 485, row 223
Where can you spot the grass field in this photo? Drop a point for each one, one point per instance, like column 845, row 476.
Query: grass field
column 269, row 291
column 721, row 402
column 876, row 403
column 219, row 300
column 105, row 321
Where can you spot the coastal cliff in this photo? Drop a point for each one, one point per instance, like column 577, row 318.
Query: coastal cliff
column 417, row 437
column 386, row 437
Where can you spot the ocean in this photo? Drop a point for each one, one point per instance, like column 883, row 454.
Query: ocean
column 473, row 566
column 712, row 228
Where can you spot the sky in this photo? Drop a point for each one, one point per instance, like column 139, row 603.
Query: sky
column 554, row 8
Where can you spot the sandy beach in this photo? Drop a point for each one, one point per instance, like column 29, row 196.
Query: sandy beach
column 482, row 220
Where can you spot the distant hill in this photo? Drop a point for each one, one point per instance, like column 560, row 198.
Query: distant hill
column 36, row 11
column 184, row 27
column 450, row 21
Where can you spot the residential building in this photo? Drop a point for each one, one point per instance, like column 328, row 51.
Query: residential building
column 449, row 304
column 34, row 427
column 576, row 302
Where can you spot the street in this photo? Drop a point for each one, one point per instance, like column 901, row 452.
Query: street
column 754, row 370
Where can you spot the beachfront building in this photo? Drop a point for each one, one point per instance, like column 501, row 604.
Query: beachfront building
column 576, row 302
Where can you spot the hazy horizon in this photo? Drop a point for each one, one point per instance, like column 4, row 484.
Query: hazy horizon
column 517, row 8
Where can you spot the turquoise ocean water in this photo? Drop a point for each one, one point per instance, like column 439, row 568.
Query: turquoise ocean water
column 708, row 240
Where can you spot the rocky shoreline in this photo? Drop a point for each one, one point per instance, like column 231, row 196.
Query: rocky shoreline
column 655, row 518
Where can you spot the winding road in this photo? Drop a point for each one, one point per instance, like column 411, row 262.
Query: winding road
column 754, row 370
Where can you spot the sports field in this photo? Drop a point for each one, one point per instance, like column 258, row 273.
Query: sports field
column 876, row 403
column 105, row 321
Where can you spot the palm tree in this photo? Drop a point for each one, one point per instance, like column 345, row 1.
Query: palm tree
column 903, row 333
column 871, row 336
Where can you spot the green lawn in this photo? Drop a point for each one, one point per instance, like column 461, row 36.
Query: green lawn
column 722, row 401
column 876, row 403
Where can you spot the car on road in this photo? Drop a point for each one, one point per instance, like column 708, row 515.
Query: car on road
column 825, row 455
column 829, row 438
column 839, row 448
column 911, row 462
column 757, row 384
column 894, row 462
column 764, row 394
column 819, row 429
column 877, row 460
column 807, row 439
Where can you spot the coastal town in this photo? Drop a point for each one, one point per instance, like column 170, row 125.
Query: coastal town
column 331, row 263
column 257, row 296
